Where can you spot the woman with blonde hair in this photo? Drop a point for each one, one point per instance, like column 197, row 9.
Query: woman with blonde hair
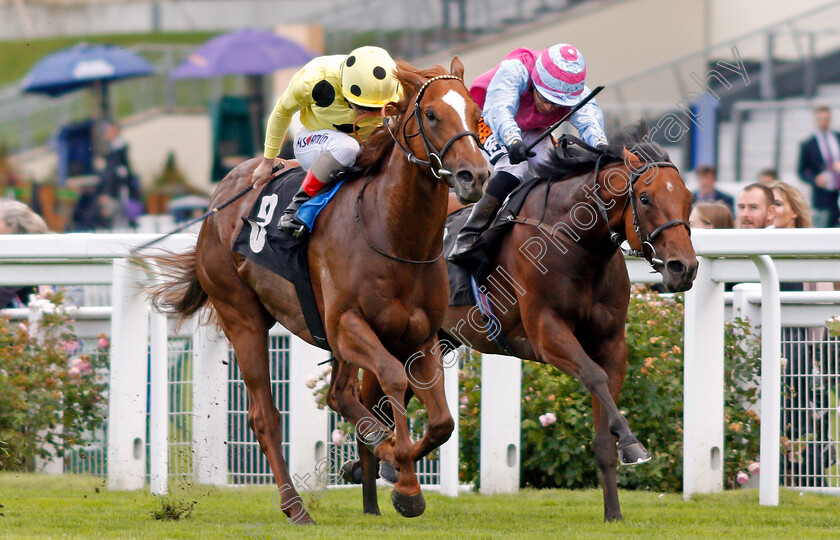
column 711, row 215
column 17, row 218
column 792, row 212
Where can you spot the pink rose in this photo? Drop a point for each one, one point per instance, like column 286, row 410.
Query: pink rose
column 754, row 467
column 338, row 437
column 742, row 477
column 102, row 343
column 464, row 399
column 547, row 419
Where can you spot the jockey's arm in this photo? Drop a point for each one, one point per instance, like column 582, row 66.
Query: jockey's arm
column 296, row 96
column 589, row 121
column 502, row 101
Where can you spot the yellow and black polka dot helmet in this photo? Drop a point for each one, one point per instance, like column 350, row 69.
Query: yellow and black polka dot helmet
column 367, row 77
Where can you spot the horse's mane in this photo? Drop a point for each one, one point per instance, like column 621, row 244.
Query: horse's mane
column 576, row 160
column 379, row 145
column 635, row 139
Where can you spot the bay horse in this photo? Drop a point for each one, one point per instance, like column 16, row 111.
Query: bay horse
column 377, row 272
column 560, row 288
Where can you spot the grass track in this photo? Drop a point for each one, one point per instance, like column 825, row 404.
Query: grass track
column 38, row 506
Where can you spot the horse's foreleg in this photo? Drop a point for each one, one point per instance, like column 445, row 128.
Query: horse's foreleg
column 249, row 338
column 558, row 346
column 425, row 378
column 357, row 344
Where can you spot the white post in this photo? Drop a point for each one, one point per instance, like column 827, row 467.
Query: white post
column 159, row 406
column 703, row 381
column 127, row 397
column 449, row 450
column 771, row 380
column 308, row 425
column 52, row 464
column 210, row 406
column 501, row 409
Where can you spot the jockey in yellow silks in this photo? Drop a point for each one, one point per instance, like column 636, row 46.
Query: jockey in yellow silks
column 330, row 92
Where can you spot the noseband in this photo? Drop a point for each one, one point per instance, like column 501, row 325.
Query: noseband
column 435, row 161
column 646, row 239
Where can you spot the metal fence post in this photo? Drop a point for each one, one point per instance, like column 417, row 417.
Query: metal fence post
column 127, row 397
column 501, row 389
column 308, row 425
column 53, row 464
column 210, row 406
column 771, row 380
column 703, row 376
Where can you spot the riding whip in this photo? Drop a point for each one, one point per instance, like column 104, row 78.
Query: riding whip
column 568, row 115
column 199, row 219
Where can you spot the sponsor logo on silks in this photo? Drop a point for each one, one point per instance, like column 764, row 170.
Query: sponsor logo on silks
column 315, row 138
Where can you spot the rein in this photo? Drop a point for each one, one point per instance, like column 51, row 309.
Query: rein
column 434, row 163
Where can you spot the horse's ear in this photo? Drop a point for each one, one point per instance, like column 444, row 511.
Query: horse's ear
column 631, row 159
column 457, row 67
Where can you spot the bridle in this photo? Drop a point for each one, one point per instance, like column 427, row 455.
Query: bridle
column 435, row 160
column 434, row 163
column 647, row 251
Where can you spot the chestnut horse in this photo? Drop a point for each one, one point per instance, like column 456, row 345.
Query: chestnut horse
column 560, row 288
column 377, row 272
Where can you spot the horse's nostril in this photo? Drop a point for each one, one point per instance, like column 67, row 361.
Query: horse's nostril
column 464, row 176
column 675, row 267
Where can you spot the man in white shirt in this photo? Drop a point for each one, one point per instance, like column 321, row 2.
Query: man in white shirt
column 756, row 208
column 819, row 165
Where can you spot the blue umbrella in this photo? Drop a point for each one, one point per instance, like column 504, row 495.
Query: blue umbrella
column 242, row 52
column 84, row 65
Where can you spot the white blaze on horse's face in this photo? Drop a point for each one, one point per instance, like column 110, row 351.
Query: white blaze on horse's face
column 457, row 102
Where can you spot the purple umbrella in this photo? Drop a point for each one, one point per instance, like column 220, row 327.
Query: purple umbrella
column 243, row 52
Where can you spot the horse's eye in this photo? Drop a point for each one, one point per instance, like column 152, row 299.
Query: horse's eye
column 644, row 199
column 430, row 115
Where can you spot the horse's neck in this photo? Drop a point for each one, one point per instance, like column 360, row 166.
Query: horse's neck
column 566, row 215
column 410, row 208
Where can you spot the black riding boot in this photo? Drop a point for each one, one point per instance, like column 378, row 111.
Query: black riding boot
column 497, row 189
column 289, row 221
column 480, row 218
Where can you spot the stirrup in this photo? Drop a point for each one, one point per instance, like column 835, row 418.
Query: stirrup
column 292, row 225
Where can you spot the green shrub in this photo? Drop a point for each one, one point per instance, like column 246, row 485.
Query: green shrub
column 50, row 395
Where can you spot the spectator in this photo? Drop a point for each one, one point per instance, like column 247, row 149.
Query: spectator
column 715, row 215
column 791, row 209
column 819, row 165
column 706, row 192
column 756, row 207
column 768, row 176
column 118, row 193
column 17, row 218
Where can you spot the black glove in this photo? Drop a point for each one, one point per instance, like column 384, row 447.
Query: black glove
column 518, row 152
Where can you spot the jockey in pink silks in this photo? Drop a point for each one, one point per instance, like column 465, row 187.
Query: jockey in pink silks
column 520, row 98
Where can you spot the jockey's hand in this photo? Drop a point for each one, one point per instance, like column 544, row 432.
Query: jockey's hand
column 518, row 152
column 263, row 173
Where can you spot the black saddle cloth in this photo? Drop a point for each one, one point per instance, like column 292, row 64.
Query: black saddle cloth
column 262, row 242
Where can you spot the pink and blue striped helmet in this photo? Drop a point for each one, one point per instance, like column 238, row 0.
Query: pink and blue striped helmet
column 558, row 74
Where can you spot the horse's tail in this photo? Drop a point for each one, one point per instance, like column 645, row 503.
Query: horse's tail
column 179, row 293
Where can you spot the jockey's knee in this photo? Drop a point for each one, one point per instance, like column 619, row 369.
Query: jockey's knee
column 324, row 165
column 345, row 150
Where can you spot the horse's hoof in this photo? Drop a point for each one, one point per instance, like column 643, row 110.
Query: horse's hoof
column 408, row 505
column 388, row 473
column 633, row 454
column 372, row 511
column 351, row 471
column 302, row 520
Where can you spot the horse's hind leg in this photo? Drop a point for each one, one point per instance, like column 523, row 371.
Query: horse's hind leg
column 246, row 324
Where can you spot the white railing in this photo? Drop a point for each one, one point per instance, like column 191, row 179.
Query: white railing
column 725, row 256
